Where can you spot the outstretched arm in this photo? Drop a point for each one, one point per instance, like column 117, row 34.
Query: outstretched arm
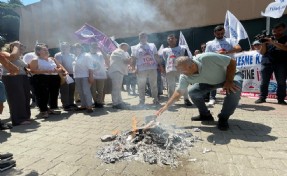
column 176, row 95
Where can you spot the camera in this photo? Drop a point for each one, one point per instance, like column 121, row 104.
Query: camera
column 262, row 37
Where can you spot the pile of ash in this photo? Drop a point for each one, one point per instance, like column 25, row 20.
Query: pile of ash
column 159, row 144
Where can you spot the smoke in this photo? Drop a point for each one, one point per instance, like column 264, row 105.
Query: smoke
column 54, row 20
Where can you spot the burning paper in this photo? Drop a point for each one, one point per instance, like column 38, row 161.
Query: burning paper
column 156, row 144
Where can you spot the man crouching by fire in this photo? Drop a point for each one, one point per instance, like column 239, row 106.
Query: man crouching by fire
column 208, row 72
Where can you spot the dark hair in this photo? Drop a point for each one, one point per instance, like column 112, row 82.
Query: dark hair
column 171, row 35
column 278, row 25
column 218, row 28
column 39, row 46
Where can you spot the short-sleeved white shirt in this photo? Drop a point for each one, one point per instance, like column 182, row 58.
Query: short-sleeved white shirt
column 170, row 55
column 82, row 65
column 145, row 56
column 99, row 67
column 66, row 60
column 219, row 44
column 28, row 57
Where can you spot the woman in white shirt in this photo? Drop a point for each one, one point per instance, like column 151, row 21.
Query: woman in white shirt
column 83, row 74
column 46, row 80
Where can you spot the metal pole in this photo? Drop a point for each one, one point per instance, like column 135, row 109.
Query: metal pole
column 268, row 25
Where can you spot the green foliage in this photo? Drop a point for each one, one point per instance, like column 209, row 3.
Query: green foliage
column 9, row 20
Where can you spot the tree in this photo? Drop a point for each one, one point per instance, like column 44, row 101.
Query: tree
column 9, row 20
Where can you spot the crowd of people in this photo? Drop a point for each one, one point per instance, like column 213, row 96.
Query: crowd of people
column 87, row 74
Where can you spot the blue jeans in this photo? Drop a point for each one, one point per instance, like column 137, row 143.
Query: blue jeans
column 198, row 91
column 280, row 71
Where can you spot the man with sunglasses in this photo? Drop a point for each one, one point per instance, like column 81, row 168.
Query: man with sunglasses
column 221, row 45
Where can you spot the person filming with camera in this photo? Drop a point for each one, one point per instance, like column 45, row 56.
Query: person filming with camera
column 274, row 59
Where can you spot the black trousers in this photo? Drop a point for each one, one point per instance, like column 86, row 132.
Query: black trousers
column 18, row 97
column 47, row 91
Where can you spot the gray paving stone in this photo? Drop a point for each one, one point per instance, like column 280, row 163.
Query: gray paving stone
column 256, row 143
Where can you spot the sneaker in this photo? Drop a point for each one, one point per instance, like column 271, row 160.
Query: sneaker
column 223, row 124
column 260, row 100
column 4, row 165
column 6, row 156
column 52, row 112
column 187, row 102
column 282, row 102
column 211, row 102
column 202, row 118
column 5, row 126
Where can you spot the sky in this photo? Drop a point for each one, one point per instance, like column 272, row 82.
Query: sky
column 25, row 2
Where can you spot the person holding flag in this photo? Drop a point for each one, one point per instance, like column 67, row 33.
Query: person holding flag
column 221, row 45
column 170, row 54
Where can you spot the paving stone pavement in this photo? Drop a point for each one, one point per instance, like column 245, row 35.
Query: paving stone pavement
column 256, row 143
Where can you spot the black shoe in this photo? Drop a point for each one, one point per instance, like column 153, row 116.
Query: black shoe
column 68, row 108
column 119, row 106
column 99, row 105
column 282, row 102
column 6, row 156
column 73, row 106
column 5, row 126
column 4, row 165
column 260, row 100
column 187, row 102
column 89, row 111
column 223, row 124
column 202, row 118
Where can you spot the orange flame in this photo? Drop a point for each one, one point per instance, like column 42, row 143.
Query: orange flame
column 134, row 124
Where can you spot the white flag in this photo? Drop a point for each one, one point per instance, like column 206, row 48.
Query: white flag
column 233, row 28
column 182, row 43
column 160, row 50
column 275, row 9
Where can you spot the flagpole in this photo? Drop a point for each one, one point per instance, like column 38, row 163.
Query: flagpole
column 249, row 43
column 268, row 25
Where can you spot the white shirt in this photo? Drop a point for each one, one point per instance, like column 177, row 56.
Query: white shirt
column 144, row 53
column 82, row 65
column 99, row 67
column 218, row 44
column 170, row 55
column 66, row 60
column 118, row 62
column 47, row 65
column 28, row 57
